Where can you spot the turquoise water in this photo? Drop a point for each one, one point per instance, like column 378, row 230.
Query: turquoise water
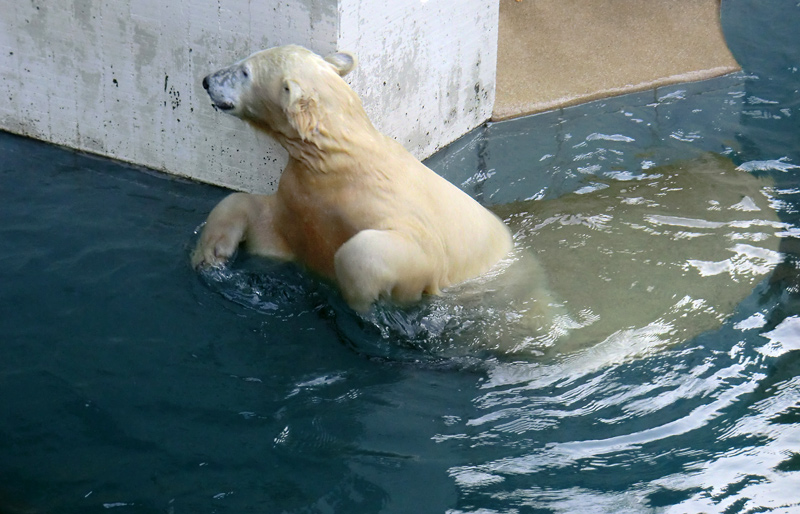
column 130, row 384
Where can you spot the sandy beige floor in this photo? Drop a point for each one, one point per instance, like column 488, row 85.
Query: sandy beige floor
column 554, row 53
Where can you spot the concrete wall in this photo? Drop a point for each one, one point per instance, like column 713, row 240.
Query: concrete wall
column 427, row 71
column 122, row 78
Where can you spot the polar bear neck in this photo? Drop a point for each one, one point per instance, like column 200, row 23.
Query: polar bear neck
column 342, row 135
column 339, row 151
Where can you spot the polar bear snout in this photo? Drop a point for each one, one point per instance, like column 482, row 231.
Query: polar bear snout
column 224, row 87
column 219, row 94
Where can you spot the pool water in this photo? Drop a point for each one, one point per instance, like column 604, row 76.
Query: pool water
column 131, row 384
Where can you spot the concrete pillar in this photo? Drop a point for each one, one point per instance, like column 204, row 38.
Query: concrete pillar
column 121, row 78
column 427, row 71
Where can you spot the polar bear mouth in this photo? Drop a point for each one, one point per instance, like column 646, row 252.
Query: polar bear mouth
column 218, row 97
column 223, row 105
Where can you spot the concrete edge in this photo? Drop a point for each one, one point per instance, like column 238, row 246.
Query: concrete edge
column 508, row 112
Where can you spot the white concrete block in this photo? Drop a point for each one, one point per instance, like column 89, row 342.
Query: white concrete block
column 427, row 67
column 123, row 78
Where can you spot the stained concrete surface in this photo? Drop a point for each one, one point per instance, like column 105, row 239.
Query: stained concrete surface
column 554, row 53
column 123, row 79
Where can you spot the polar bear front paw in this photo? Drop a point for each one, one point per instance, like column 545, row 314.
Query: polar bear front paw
column 213, row 252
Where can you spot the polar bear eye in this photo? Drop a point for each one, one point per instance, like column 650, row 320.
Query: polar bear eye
column 245, row 73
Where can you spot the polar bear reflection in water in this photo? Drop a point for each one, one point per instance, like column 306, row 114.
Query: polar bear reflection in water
column 633, row 262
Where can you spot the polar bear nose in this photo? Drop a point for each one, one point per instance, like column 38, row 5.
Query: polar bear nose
column 205, row 83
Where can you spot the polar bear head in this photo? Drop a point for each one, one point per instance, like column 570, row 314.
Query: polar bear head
column 285, row 90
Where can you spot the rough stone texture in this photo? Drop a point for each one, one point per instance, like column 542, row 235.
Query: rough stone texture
column 123, row 78
column 554, row 53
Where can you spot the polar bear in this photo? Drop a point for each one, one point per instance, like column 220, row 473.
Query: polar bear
column 352, row 204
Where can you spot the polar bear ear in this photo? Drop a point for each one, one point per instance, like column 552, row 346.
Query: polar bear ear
column 343, row 62
column 300, row 109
